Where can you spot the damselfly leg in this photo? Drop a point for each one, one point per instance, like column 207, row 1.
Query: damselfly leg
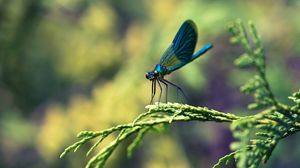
column 177, row 87
column 167, row 88
column 160, row 88
column 153, row 91
column 166, row 83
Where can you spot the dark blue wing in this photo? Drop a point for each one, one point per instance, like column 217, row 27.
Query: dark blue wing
column 182, row 48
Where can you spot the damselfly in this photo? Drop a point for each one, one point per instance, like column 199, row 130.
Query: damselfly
column 179, row 53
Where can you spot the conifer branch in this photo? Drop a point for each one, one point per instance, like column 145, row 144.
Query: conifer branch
column 269, row 126
column 156, row 116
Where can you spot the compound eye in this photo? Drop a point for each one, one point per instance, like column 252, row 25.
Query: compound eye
column 147, row 76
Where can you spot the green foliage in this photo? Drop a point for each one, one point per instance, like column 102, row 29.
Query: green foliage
column 253, row 56
column 259, row 134
column 256, row 135
column 225, row 159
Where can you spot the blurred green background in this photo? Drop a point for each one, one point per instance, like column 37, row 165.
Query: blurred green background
column 73, row 65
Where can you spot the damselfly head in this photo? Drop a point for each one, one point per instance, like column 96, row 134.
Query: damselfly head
column 152, row 75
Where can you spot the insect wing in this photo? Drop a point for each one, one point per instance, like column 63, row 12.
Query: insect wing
column 182, row 48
